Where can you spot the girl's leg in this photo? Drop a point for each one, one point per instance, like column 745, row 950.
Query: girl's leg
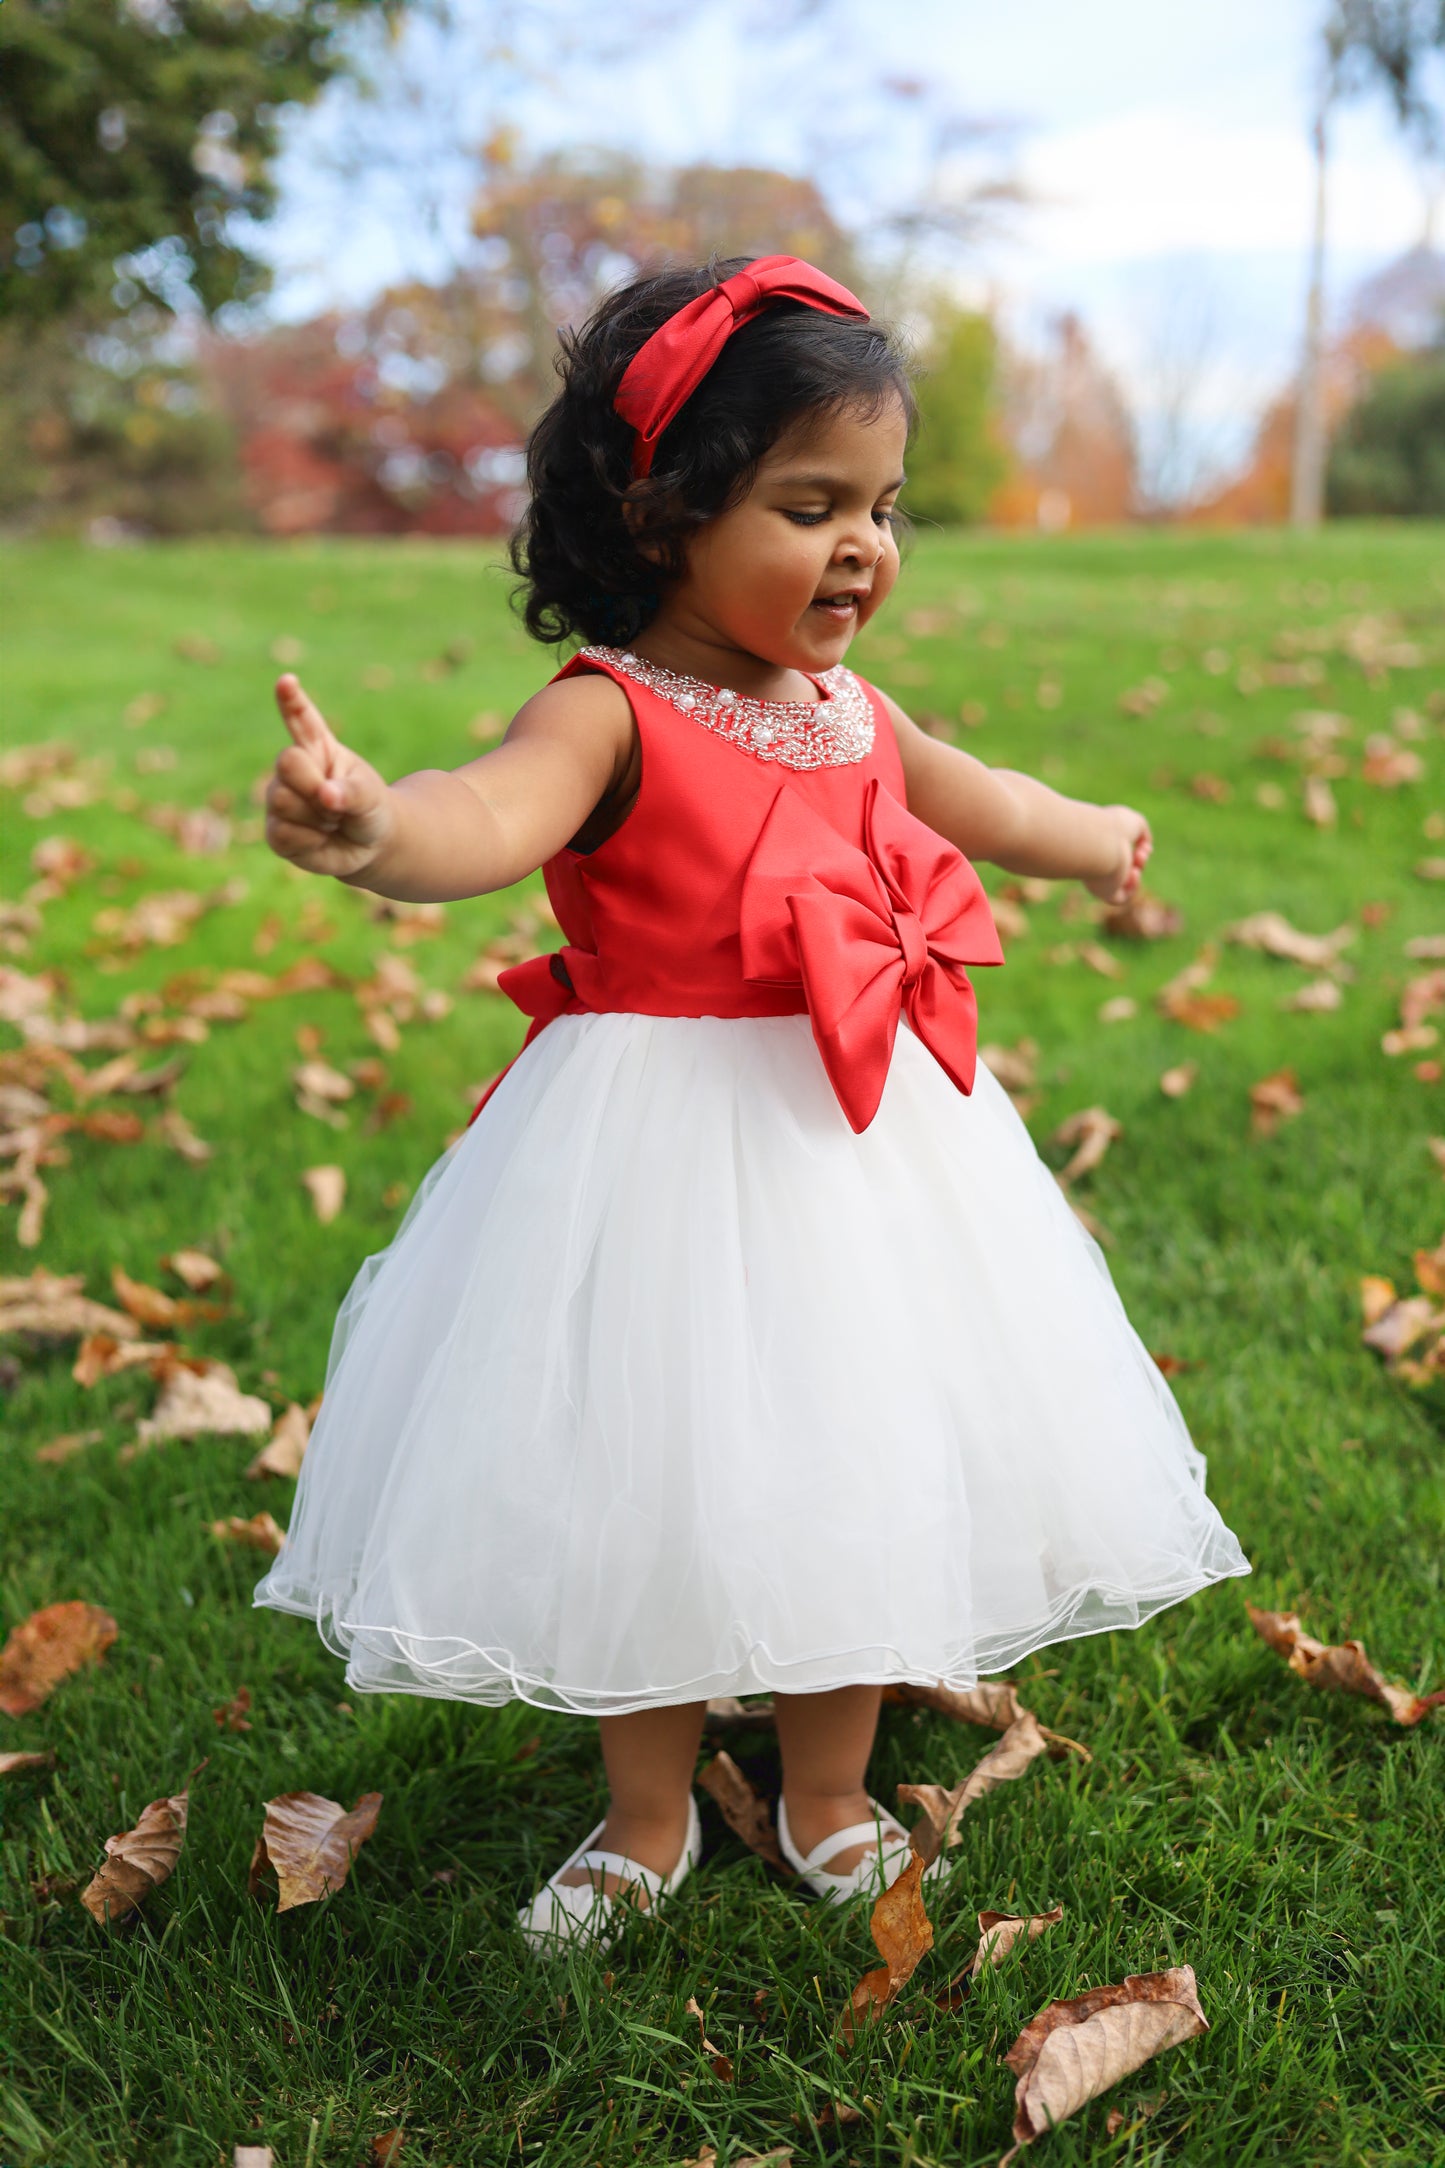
column 826, row 1740
column 650, row 1757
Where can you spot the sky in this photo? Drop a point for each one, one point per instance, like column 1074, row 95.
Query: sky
column 1163, row 146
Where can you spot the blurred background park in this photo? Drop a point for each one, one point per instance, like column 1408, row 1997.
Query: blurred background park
column 298, row 268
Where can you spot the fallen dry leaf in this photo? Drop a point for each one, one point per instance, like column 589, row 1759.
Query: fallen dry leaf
column 195, row 1267
column 1274, row 936
column 14, row 1765
column 66, row 1446
column 1274, row 1099
column 1091, row 1131
column 1345, row 1667
column 259, row 1533
column 744, row 1812
column 327, row 1189
column 101, row 1354
column 1181, row 997
column 154, row 1307
column 993, row 1703
column 1116, row 2118
column 309, row 1844
column 252, row 2156
column 173, row 1129
column 199, row 1396
column 233, row 1714
column 1319, row 803
column 1098, row 959
column 997, row 1934
column 903, row 1934
column 386, row 2148
column 1318, row 998
column 722, row 2064
column 1073, row 2051
column 1175, row 1082
column 944, row 1809
column 285, row 1449
column 1143, row 918
column 52, row 1302
column 138, row 1861
column 726, row 1713
column 46, row 1648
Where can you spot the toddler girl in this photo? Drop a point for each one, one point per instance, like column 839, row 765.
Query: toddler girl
column 741, row 1343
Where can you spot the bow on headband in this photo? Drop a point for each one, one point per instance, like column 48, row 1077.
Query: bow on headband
column 874, row 935
column 665, row 372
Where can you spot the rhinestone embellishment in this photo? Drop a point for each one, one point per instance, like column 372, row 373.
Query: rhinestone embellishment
column 830, row 733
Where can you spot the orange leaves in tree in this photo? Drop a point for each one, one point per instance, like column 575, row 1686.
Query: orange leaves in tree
column 1345, row 1668
column 46, row 1648
column 903, row 1935
column 138, row 1861
column 1073, row 2051
column 309, row 1844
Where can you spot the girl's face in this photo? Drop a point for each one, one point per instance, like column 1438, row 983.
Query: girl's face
column 789, row 574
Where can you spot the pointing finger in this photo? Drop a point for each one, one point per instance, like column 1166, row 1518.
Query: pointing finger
column 304, row 720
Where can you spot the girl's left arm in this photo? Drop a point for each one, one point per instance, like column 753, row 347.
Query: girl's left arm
column 1014, row 821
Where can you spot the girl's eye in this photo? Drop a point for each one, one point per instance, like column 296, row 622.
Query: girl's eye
column 806, row 519
column 888, row 518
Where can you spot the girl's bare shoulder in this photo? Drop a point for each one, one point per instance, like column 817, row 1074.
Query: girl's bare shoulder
column 587, row 705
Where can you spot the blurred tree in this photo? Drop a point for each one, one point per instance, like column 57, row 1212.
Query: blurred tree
column 1071, row 436
column 1389, row 455
column 1363, row 43
column 135, row 134
column 958, row 459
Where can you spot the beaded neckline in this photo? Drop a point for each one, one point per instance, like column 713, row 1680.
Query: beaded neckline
column 832, row 732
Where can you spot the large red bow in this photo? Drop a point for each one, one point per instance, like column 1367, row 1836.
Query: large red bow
column 665, row 372
column 873, row 934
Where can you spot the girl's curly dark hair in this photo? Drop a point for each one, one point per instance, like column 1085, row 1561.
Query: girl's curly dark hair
column 582, row 567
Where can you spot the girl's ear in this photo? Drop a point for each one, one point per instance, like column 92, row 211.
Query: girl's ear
column 637, row 511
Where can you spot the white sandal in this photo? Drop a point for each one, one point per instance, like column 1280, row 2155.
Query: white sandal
column 873, row 1872
column 583, row 1911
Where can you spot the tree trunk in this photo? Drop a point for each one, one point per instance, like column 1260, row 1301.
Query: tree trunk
column 1307, row 480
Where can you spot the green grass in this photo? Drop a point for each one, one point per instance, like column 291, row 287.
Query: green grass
column 1285, row 1843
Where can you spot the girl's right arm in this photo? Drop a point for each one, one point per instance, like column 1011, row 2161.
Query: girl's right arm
column 441, row 834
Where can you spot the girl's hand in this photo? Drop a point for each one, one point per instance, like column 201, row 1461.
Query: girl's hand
column 327, row 809
column 1133, row 843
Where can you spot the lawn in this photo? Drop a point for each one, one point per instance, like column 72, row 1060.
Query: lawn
column 1285, row 1842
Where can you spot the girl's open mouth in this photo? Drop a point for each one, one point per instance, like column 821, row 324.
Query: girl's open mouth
column 842, row 607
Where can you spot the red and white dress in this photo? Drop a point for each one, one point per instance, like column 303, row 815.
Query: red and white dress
column 741, row 1342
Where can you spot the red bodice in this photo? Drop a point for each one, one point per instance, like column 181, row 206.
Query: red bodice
column 749, row 881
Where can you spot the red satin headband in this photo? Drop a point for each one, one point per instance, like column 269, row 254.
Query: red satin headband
column 665, row 372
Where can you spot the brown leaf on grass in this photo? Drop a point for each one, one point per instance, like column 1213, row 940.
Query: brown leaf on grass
column 46, row 1648
column 259, row 1533
column 199, row 1397
column 902, row 1934
column 1116, row 2118
column 138, row 1861
column 1073, row 2051
column 993, row 1703
column 52, row 1302
column 944, row 1809
column 309, row 1843
column 1143, row 918
column 285, row 1449
column 1344, row 1667
column 173, row 1129
column 1423, row 996
column 1319, row 802
column 1091, row 1131
column 1174, row 1366
column 154, row 1307
column 198, row 1269
column 1015, row 1067
column 1175, row 1082
column 252, row 2156
column 744, row 1812
column 1098, row 959
column 319, row 1080
column 1274, row 1099
column 726, row 1713
column 386, row 2147
column 101, row 1354
column 1393, row 1324
column 1319, row 998
column 722, row 2064
column 233, row 1714
column 326, row 1187
column 1181, row 998
column 15, row 1765
column 66, row 1446
column 997, row 1934
column 1273, row 934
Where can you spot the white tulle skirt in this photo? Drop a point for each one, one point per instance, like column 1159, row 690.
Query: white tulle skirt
column 669, row 1386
